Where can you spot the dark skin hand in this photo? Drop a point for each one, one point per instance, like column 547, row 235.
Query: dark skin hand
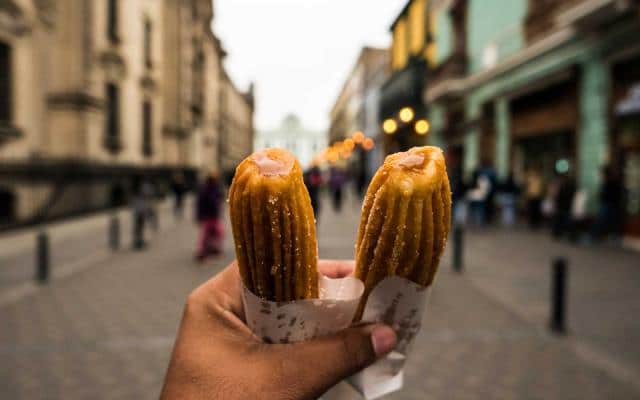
column 217, row 357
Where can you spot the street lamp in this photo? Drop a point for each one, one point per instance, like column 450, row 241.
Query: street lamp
column 358, row 137
column 349, row 144
column 368, row 144
column 406, row 114
column 390, row 126
column 422, row 127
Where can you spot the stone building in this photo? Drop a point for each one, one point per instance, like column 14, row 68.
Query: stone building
column 236, row 125
column 545, row 84
column 98, row 94
column 402, row 107
column 358, row 105
column 292, row 135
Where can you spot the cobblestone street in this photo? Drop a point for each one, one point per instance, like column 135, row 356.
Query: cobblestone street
column 105, row 331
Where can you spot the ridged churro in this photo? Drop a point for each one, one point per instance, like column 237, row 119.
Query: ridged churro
column 405, row 220
column 274, row 228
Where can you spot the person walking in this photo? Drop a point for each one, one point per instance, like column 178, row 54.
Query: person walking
column 508, row 199
column 611, row 209
column 313, row 182
column 179, row 189
column 337, row 178
column 140, row 206
column 210, row 197
column 534, row 193
column 563, row 206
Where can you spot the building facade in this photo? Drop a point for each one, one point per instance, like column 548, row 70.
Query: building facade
column 304, row 143
column 544, row 84
column 357, row 108
column 236, row 125
column 401, row 104
column 98, row 94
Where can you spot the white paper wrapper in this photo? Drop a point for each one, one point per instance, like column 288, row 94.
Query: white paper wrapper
column 295, row 321
column 399, row 303
column 396, row 302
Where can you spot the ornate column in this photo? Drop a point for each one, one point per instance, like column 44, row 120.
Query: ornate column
column 503, row 137
column 592, row 144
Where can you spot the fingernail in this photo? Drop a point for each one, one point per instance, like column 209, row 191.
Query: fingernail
column 383, row 339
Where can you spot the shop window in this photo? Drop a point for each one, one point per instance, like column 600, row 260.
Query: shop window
column 112, row 116
column 5, row 84
column 147, row 129
column 112, row 20
column 148, row 31
column 7, row 206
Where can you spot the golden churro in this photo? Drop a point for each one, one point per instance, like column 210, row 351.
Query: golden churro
column 405, row 220
column 274, row 228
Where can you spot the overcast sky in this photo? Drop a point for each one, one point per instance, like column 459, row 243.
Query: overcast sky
column 299, row 52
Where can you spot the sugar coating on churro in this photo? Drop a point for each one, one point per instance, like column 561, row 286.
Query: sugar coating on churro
column 405, row 219
column 273, row 227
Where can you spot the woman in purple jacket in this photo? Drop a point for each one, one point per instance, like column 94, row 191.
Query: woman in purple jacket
column 210, row 198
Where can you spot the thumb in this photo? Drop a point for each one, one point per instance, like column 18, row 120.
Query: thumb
column 313, row 367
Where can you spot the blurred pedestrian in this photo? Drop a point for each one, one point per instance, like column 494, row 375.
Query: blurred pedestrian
column 313, row 182
column 508, row 193
column 361, row 179
column 534, row 193
column 337, row 179
column 210, row 198
column 150, row 193
column 179, row 189
column 563, row 206
column 140, row 205
column 458, row 195
column 480, row 195
column 611, row 208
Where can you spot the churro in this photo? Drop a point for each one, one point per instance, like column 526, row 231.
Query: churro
column 274, row 227
column 405, row 220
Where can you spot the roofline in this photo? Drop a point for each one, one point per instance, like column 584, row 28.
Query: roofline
column 402, row 13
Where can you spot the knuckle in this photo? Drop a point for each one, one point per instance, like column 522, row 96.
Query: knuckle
column 355, row 349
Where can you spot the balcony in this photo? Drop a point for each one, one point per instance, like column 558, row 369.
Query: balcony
column 404, row 88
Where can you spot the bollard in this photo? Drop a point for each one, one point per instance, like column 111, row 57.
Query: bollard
column 458, row 243
column 114, row 233
column 558, row 296
column 42, row 257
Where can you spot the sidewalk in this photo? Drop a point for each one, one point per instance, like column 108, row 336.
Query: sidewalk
column 73, row 244
column 106, row 332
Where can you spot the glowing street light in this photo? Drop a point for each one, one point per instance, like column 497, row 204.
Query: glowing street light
column 406, row 114
column 349, row 144
column 422, row 127
column 390, row 126
column 368, row 144
column 358, row 137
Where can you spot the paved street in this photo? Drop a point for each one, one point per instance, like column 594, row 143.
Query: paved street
column 105, row 331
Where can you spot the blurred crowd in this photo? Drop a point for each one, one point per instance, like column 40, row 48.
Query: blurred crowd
column 556, row 204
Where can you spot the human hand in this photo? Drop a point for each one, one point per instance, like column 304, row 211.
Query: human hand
column 216, row 356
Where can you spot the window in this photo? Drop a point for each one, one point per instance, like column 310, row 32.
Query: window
column 147, row 129
column 112, row 115
column 5, row 84
column 148, row 30
column 112, row 20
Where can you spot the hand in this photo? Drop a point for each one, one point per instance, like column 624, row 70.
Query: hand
column 216, row 356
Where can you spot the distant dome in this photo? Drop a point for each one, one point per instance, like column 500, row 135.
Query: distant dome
column 291, row 122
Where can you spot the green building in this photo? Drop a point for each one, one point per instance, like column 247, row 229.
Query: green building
column 547, row 84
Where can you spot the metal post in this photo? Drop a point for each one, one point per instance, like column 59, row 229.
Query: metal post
column 114, row 232
column 558, row 296
column 42, row 257
column 458, row 247
column 458, row 243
